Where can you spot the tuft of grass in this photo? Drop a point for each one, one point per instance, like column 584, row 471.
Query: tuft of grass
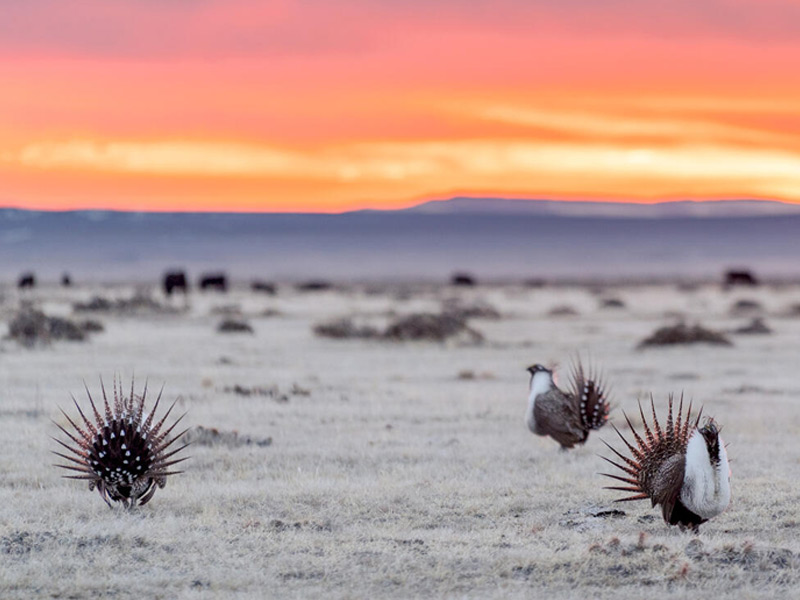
column 345, row 329
column 211, row 436
column 684, row 334
column 433, row 327
column 754, row 327
column 234, row 326
column 612, row 303
column 138, row 304
column 563, row 310
column 32, row 327
column 478, row 309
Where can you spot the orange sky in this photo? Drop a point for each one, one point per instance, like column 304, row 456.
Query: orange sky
column 320, row 106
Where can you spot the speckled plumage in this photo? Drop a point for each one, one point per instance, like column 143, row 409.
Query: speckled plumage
column 566, row 416
column 122, row 453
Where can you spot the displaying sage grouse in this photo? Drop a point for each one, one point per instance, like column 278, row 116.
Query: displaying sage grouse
column 681, row 466
column 566, row 416
column 123, row 452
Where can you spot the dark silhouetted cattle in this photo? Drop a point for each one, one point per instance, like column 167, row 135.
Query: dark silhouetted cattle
column 26, row 280
column 264, row 286
column 314, row 286
column 214, row 281
column 66, row 280
column 740, row 278
column 175, row 281
column 462, row 279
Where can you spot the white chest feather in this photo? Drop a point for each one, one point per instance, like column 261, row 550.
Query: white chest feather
column 706, row 487
column 541, row 383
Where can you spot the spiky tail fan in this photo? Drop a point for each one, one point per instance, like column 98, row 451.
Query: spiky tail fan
column 122, row 453
column 590, row 390
column 649, row 469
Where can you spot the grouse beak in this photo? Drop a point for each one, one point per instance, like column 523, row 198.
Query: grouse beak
column 537, row 368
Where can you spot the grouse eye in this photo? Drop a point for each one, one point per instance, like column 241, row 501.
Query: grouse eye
column 710, row 430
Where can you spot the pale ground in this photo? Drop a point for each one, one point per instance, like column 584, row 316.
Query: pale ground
column 394, row 477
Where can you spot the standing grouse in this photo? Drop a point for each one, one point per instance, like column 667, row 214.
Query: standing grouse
column 566, row 416
column 682, row 467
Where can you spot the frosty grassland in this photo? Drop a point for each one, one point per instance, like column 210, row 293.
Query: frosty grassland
column 400, row 469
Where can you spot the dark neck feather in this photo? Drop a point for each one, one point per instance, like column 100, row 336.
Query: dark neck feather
column 713, row 449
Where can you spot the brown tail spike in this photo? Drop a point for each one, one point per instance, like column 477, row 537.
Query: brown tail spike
column 648, row 434
column 120, row 455
column 657, row 427
column 657, row 445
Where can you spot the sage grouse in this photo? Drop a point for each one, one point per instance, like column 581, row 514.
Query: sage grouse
column 122, row 453
column 566, row 416
column 681, row 466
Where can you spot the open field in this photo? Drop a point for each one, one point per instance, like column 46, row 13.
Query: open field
column 399, row 469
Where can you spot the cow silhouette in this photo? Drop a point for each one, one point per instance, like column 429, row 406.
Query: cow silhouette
column 316, row 285
column 26, row 280
column 175, row 281
column 66, row 280
column 741, row 277
column 214, row 281
column 462, row 279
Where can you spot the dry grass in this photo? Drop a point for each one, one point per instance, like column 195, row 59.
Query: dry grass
column 392, row 477
column 30, row 328
column 234, row 326
column 682, row 333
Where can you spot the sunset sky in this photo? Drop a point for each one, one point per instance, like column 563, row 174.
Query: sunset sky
column 329, row 106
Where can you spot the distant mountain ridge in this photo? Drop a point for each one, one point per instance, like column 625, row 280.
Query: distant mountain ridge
column 575, row 208
column 489, row 238
column 470, row 205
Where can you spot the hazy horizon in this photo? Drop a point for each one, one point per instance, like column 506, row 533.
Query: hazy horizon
column 396, row 246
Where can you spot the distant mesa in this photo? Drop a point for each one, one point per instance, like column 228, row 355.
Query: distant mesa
column 214, row 281
column 26, row 280
column 175, row 281
column 579, row 208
